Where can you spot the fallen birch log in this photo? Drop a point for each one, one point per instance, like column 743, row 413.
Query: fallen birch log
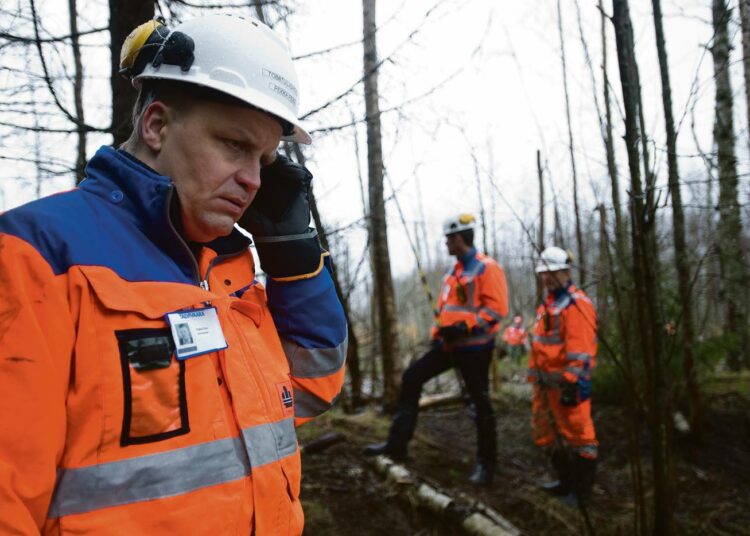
column 471, row 516
column 443, row 399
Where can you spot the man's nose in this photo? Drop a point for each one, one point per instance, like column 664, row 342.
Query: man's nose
column 249, row 177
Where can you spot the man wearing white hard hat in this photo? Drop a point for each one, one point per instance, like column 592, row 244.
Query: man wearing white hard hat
column 472, row 302
column 563, row 355
column 151, row 384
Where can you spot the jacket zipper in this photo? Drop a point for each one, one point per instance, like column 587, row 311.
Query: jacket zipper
column 202, row 283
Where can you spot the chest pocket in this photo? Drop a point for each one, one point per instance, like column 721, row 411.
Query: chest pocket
column 153, row 381
column 145, row 393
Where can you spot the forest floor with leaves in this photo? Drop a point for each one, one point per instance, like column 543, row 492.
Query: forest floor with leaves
column 342, row 495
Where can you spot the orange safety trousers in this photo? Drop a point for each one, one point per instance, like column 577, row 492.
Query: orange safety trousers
column 554, row 425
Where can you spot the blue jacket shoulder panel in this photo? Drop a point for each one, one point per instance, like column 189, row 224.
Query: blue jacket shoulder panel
column 116, row 219
column 80, row 228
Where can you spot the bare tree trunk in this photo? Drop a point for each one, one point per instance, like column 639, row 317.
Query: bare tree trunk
column 646, row 287
column 602, row 290
column 375, row 373
column 482, row 215
column 620, row 237
column 124, row 16
column 571, row 147
column 381, row 262
column 745, row 22
column 78, row 90
column 558, row 236
column 681, row 254
column 729, row 228
column 493, row 197
column 540, row 235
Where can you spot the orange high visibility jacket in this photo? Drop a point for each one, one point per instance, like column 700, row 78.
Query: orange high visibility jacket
column 103, row 430
column 564, row 346
column 474, row 292
column 514, row 335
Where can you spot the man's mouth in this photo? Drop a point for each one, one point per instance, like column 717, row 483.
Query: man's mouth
column 235, row 204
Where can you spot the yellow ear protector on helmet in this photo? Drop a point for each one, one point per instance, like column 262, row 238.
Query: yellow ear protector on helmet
column 466, row 218
column 152, row 42
column 569, row 260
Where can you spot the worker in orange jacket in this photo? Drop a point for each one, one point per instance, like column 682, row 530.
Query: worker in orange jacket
column 150, row 383
column 515, row 338
column 563, row 355
column 472, row 302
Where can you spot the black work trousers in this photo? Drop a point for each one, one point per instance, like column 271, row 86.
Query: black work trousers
column 474, row 366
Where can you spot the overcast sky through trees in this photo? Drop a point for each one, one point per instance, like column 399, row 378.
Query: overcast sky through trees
column 475, row 75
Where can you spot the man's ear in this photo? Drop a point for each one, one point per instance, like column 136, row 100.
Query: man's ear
column 156, row 119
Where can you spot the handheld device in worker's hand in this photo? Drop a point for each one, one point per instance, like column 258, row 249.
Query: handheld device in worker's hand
column 454, row 332
column 279, row 220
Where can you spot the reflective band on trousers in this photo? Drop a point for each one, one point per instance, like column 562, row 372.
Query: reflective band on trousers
column 170, row 473
column 314, row 362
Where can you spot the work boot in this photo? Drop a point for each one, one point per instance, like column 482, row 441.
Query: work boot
column 486, row 441
column 561, row 464
column 385, row 449
column 482, row 475
column 584, row 470
column 582, row 480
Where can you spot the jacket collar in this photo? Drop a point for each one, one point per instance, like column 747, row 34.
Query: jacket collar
column 145, row 197
column 468, row 260
column 560, row 295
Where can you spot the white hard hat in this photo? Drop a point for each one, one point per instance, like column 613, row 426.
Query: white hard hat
column 456, row 224
column 552, row 259
column 238, row 56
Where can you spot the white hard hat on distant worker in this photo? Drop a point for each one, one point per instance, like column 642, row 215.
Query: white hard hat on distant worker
column 237, row 56
column 553, row 259
column 456, row 224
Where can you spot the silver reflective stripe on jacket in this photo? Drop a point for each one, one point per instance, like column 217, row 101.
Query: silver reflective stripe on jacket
column 492, row 314
column 270, row 442
column 578, row 356
column 308, row 405
column 548, row 339
column 314, row 362
column 459, row 309
column 170, row 473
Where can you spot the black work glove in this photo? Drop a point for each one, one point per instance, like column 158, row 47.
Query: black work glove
column 454, row 332
column 569, row 394
column 279, row 220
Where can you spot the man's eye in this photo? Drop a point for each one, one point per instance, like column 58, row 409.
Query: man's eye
column 235, row 145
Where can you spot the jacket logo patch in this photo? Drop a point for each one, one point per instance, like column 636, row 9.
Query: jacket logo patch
column 285, row 397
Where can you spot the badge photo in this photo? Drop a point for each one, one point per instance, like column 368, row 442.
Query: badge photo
column 196, row 332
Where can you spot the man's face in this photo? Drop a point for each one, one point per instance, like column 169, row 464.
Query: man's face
column 555, row 280
column 454, row 243
column 213, row 152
